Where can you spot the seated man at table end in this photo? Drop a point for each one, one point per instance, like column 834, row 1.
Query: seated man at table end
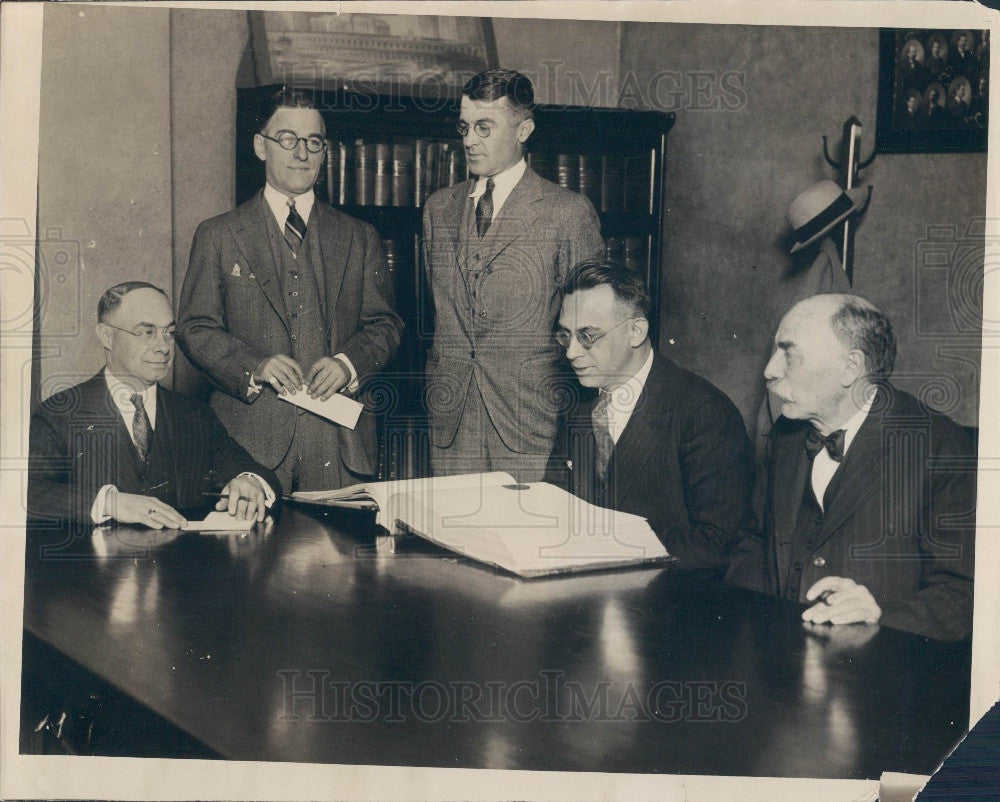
column 659, row 442
column 867, row 496
column 120, row 446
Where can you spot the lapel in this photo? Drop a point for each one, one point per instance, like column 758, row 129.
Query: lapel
column 335, row 245
column 857, row 478
column 250, row 232
column 97, row 404
column 643, row 432
column 454, row 215
column 517, row 216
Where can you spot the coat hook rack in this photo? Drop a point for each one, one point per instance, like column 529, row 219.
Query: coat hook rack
column 848, row 167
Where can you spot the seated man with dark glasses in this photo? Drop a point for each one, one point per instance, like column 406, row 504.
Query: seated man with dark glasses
column 657, row 441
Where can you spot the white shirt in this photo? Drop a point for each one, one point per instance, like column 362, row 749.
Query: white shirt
column 824, row 466
column 624, row 398
column 503, row 185
column 122, row 394
column 278, row 204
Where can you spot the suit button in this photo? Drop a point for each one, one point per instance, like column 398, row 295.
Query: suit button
column 472, row 354
column 476, row 256
column 294, row 337
column 797, row 566
column 819, row 562
column 295, row 275
column 295, row 295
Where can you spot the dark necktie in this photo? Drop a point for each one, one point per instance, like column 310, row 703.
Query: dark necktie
column 602, row 435
column 833, row 442
column 140, row 427
column 295, row 228
column 484, row 209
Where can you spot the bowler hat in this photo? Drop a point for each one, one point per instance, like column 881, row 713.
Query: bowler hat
column 820, row 208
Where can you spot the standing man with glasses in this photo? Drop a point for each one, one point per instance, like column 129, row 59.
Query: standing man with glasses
column 497, row 248
column 285, row 294
column 658, row 441
column 120, row 446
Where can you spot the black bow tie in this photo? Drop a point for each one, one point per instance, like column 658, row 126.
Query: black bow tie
column 834, row 443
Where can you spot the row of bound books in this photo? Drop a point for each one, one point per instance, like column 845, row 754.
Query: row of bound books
column 629, row 250
column 406, row 173
column 613, row 183
column 384, row 174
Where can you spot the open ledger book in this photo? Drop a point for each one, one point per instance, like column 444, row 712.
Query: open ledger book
column 528, row 529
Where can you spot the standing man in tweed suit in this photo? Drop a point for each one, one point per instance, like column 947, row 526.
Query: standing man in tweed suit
column 497, row 248
column 284, row 293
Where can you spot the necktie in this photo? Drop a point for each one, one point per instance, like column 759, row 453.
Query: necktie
column 833, row 442
column 602, row 435
column 484, row 209
column 140, row 427
column 295, row 228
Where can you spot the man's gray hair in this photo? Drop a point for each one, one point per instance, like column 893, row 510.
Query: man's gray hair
column 859, row 324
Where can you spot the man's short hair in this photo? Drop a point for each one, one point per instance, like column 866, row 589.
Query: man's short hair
column 628, row 286
column 859, row 324
column 284, row 98
column 491, row 85
column 113, row 297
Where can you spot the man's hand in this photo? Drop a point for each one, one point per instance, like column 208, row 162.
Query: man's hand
column 244, row 497
column 129, row 508
column 842, row 601
column 327, row 377
column 282, row 372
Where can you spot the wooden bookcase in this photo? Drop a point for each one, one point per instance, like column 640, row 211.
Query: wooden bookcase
column 617, row 155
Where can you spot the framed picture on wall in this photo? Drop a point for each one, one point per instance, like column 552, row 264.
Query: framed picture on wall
column 393, row 54
column 933, row 90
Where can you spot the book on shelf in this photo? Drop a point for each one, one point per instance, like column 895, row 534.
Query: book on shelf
column 612, row 184
column 419, row 169
column 590, row 179
column 531, row 530
column 542, row 163
column 364, row 173
column 629, row 251
column 391, row 254
column 568, row 171
column 637, row 194
column 402, row 174
column 383, row 174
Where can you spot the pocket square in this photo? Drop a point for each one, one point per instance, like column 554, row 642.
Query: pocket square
column 236, row 270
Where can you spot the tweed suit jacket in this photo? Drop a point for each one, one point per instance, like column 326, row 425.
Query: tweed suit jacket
column 898, row 519
column 79, row 443
column 683, row 462
column 232, row 316
column 494, row 321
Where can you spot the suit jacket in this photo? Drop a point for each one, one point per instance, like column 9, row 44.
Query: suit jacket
column 683, row 462
column 230, row 319
column 495, row 321
column 899, row 517
column 79, row 443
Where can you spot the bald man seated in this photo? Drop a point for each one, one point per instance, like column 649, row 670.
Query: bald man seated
column 122, row 447
column 867, row 500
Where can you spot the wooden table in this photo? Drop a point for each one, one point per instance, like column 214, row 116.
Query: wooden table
column 306, row 644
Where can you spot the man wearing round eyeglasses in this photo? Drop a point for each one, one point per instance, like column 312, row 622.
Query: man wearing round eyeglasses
column 283, row 295
column 121, row 446
column 658, row 441
column 497, row 248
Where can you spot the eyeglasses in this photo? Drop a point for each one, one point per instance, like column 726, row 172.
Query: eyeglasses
column 585, row 338
column 289, row 140
column 148, row 332
column 481, row 127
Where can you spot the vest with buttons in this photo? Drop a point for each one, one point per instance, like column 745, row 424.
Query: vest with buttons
column 156, row 476
column 472, row 252
column 302, row 283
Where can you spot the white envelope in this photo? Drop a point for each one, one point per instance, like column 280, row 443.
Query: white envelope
column 338, row 408
column 219, row 521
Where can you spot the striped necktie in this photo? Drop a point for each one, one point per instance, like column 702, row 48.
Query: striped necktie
column 295, row 228
column 602, row 435
column 140, row 427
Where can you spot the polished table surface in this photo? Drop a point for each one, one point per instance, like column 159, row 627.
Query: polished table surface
column 305, row 643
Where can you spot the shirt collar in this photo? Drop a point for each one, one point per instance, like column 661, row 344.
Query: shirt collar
column 121, row 394
column 278, row 204
column 626, row 394
column 854, row 424
column 503, row 183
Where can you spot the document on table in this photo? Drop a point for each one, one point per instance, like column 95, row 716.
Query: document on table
column 219, row 521
column 338, row 407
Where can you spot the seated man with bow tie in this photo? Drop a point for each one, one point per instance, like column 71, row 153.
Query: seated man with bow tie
column 120, row 446
column 868, row 498
column 659, row 442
